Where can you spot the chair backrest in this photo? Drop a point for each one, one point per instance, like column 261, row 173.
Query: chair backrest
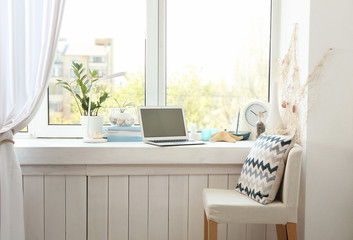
column 289, row 194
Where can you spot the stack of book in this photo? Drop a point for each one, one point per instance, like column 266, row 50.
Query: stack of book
column 123, row 134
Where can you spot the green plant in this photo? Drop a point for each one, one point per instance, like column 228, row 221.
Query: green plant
column 80, row 88
column 123, row 105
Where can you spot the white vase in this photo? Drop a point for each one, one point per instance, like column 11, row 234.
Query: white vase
column 94, row 125
column 274, row 121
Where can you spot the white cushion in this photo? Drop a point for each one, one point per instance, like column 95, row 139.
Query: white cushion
column 230, row 206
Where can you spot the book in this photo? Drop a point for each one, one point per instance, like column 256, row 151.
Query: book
column 123, row 139
column 119, row 128
column 123, row 134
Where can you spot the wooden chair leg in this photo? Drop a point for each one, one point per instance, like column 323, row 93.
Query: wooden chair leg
column 212, row 230
column 281, row 232
column 292, row 231
column 205, row 226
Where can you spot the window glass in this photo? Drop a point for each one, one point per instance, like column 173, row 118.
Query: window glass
column 25, row 130
column 108, row 37
column 217, row 57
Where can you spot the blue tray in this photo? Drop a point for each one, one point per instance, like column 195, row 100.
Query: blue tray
column 245, row 135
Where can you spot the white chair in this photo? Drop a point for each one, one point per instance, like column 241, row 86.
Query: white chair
column 230, row 206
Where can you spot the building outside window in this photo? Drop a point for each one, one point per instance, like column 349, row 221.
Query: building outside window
column 212, row 58
column 99, row 59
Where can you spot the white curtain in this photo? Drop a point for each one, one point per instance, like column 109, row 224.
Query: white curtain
column 29, row 31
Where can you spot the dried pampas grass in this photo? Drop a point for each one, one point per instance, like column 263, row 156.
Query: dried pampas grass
column 293, row 96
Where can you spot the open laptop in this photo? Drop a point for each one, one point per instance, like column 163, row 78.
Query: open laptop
column 164, row 126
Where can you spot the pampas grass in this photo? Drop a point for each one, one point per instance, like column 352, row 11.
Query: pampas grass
column 293, row 95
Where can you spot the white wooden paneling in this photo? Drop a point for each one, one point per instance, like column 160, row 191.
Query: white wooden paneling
column 128, row 207
column 178, row 207
column 158, row 208
column 53, row 170
column 97, row 208
column 128, row 169
column 235, row 231
column 33, row 197
column 153, row 169
column 271, row 233
column 196, row 185
column 118, row 207
column 138, row 207
column 76, row 206
column 255, row 231
column 219, row 181
column 54, row 203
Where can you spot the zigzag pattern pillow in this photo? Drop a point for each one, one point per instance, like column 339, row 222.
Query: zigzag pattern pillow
column 263, row 169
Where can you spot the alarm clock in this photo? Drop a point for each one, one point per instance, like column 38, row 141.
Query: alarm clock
column 251, row 112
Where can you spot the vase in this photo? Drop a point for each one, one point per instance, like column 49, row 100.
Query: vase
column 95, row 124
column 274, row 121
column 122, row 117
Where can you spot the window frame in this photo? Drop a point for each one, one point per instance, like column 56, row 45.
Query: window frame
column 155, row 69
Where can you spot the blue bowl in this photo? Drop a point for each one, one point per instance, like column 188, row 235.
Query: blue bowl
column 245, row 135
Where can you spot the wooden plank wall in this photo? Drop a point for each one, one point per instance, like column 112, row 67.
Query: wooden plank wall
column 126, row 207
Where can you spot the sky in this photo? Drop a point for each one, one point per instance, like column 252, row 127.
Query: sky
column 210, row 34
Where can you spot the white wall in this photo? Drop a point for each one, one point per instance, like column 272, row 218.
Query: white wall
column 292, row 12
column 329, row 173
column 327, row 195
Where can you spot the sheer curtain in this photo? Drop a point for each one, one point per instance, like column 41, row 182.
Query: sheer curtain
column 29, row 33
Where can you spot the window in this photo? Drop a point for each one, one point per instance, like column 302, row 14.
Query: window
column 111, row 40
column 210, row 57
column 217, row 57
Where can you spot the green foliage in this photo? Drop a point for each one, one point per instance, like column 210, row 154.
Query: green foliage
column 81, row 87
column 123, row 105
column 206, row 103
column 188, row 90
column 215, row 103
column 132, row 93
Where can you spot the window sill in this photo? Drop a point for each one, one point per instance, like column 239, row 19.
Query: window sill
column 76, row 152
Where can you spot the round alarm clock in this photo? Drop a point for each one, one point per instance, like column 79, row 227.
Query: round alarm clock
column 251, row 112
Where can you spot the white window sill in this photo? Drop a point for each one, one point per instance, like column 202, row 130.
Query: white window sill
column 76, row 152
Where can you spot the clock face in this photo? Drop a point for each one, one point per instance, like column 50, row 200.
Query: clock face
column 252, row 110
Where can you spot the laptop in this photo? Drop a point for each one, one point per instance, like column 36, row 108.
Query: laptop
column 164, row 126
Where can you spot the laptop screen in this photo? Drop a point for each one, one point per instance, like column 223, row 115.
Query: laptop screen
column 162, row 122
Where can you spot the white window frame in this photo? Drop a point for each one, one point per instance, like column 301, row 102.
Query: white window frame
column 155, row 64
column 154, row 81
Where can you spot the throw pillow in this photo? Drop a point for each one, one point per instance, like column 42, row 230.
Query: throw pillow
column 263, row 169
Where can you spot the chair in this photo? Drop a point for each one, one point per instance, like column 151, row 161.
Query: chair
column 230, row 206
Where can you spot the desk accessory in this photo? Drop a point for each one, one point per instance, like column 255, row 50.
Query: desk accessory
column 260, row 126
column 245, row 135
column 224, row 136
column 236, row 131
column 89, row 138
column 123, row 139
column 274, row 121
column 251, row 111
column 206, row 134
column 123, row 134
column 80, row 89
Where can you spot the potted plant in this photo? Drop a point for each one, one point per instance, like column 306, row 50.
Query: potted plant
column 80, row 89
column 124, row 115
